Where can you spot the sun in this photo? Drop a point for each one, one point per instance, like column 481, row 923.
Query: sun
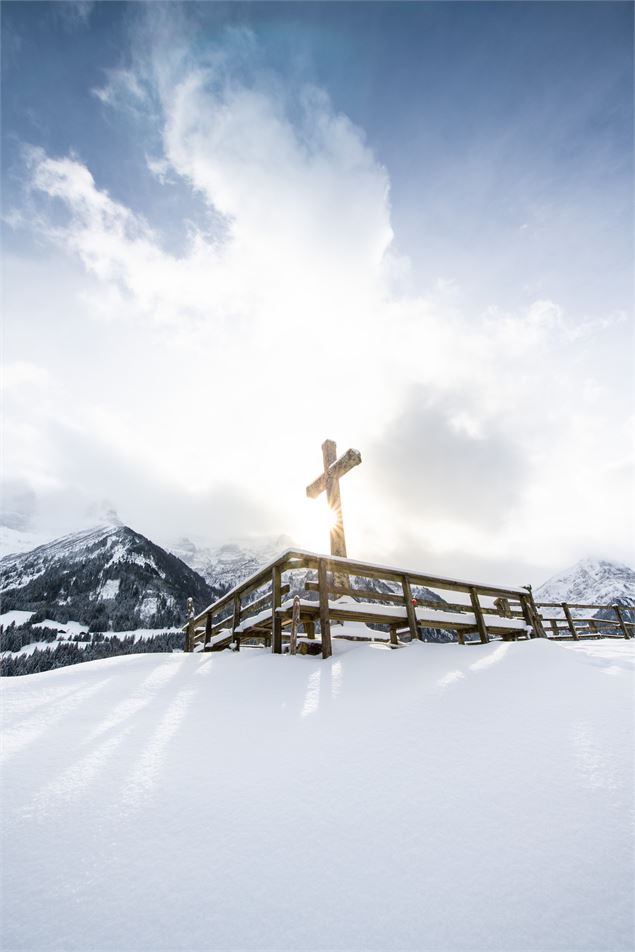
column 315, row 524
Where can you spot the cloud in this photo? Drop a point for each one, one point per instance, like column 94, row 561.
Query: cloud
column 297, row 181
column 122, row 88
column 440, row 466
column 74, row 13
column 22, row 374
column 18, row 502
column 210, row 377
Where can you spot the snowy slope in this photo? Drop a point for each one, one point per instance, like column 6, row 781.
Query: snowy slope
column 591, row 581
column 434, row 798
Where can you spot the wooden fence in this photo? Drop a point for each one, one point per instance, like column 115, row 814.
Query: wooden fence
column 562, row 621
column 336, row 590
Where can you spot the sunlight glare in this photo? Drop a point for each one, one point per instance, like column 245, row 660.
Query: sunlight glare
column 317, row 519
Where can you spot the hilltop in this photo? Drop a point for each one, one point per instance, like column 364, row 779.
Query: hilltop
column 444, row 798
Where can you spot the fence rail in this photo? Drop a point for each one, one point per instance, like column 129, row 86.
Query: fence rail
column 323, row 590
column 333, row 589
column 570, row 626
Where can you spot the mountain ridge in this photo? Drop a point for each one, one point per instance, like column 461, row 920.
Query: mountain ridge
column 590, row 581
column 109, row 577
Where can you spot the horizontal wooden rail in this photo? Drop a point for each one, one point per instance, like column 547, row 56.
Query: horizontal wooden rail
column 583, row 605
column 391, row 598
column 366, row 595
column 263, row 602
column 577, row 627
column 232, row 609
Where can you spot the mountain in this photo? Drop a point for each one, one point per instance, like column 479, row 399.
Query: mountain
column 591, row 581
column 224, row 566
column 107, row 577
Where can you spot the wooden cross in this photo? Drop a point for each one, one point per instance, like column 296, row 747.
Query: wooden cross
column 329, row 480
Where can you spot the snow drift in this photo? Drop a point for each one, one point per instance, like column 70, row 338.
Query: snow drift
column 431, row 798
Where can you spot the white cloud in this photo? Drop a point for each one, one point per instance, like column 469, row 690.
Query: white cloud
column 222, row 369
column 122, row 88
column 20, row 374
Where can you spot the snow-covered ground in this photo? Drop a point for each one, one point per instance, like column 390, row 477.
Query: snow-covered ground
column 437, row 797
column 15, row 617
column 71, row 629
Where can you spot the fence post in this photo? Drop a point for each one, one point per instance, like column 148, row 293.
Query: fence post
column 189, row 635
column 295, row 624
column 478, row 612
column 536, row 617
column 236, row 618
column 413, row 625
column 276, row 601
column 208, row 628
column 570, row 623
column 325, row 622
column 620, row 618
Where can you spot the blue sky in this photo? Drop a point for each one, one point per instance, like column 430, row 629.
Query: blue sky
column 489, row 117
column 413, row 178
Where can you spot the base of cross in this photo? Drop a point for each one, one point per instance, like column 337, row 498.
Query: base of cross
column 272, row 608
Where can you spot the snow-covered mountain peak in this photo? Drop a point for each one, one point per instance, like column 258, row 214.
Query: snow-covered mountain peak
column 108, row 574
column 591, row 581
column 227, row 564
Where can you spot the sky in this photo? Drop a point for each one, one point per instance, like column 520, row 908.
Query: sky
column 232, row 231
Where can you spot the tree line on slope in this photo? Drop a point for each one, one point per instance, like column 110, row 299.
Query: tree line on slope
column 46, row 659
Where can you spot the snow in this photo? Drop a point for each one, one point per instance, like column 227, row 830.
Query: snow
column 590, row 581
column 110, row 589
column 429, row 616
column 434, row 798
column 69, row 628
column 15, row 617
column 148, row 606
column 8, row 581
column 233, row 561
column 21, row 568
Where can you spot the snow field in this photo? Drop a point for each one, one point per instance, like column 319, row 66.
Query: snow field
column 15, row 617
column 433, row 798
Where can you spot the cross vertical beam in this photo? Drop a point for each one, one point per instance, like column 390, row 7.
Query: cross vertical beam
column 329, row 482
column 334, row 500
column 325, row 621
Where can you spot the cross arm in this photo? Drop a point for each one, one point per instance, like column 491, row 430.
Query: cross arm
column 344, row 463
column 317, row 486
column 335, row 471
